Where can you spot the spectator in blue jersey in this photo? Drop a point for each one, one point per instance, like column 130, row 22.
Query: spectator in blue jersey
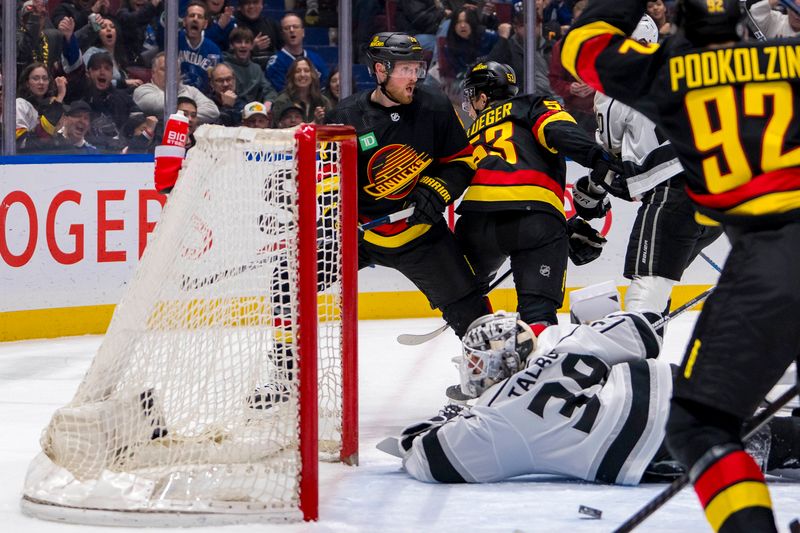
column 293, row 32
column 220, row 22
column 559, row 10
column 266, row 32
column 251, row 82
column 197, row 53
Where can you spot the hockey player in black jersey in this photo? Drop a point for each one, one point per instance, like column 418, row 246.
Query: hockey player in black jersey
column 514, row 207
column 585, row 401
column 412, row 149
column 729, row 108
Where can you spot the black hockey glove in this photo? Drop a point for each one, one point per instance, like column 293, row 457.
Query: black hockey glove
column 589, row 200
column 608, row 173
column 430, row 196
column 585, row 243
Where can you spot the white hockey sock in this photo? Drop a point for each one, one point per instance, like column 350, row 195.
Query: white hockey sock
column 648, row 294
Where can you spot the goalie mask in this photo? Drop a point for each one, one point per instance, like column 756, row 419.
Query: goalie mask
column 494, row 347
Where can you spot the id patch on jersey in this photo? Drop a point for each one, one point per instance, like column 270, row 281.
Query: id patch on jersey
column 367, row 141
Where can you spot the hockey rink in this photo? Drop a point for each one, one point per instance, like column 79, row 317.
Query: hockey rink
column 398, row 385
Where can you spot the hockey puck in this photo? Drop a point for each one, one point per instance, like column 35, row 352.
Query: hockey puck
column 794, row 526
column 591, row 512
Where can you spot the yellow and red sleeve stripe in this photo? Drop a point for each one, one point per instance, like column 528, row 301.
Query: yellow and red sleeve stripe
column 544, row 120
column 464, row 155
column 395, row 234
column 729, row 485
column 581, row 47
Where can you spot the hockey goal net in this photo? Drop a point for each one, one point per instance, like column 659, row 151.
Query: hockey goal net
column 229, row 367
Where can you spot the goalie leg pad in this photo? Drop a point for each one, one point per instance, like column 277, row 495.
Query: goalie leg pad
column 593, row 302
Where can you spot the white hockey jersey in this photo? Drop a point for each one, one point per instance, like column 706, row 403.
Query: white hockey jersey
column 648, row 157
column 588, row 405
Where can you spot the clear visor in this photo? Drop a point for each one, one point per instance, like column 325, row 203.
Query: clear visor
column 466, row 98
column 409, row 70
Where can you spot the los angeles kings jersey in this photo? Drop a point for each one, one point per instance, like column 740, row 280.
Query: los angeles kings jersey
column 647, row 156
column 399, row 145
column 588, row 405
column 730, row 112
column 519, row 149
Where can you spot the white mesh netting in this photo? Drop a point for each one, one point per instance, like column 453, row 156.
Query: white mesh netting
column 191, row 403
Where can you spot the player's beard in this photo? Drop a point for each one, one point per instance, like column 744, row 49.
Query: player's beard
column 402, row 94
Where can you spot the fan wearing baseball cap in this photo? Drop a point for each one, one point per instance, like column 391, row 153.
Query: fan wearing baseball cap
column 256, row 115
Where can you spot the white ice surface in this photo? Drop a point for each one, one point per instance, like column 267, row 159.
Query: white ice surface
column 398, row 385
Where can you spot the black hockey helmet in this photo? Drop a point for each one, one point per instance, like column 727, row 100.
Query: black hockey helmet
column 707, row 22
column 495, row 79
column 388, row 46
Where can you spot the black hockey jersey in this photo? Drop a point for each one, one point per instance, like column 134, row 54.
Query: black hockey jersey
column 396, row 147
column 729, row 112
column 519, row 148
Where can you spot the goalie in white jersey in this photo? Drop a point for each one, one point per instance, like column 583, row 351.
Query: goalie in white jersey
column 585, row 401
column 665, row 238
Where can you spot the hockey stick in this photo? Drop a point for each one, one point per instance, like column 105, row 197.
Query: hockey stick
column 188, row 283
column 694, row 301
column 751, row 427
column 388, row 219
column 711, row 262
column 751, row 22
column 409, row 339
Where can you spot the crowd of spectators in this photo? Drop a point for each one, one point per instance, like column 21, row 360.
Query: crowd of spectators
column 92, row 73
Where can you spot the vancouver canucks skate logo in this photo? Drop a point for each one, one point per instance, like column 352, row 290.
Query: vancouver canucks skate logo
column 393, row 170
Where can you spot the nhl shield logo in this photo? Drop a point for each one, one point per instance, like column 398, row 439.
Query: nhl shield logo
column 395, row 117
column 544, row 270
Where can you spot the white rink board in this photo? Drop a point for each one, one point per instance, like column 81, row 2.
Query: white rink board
column 90, row 219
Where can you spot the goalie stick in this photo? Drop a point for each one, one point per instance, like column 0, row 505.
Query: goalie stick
column 753, row 424
column 410, row 339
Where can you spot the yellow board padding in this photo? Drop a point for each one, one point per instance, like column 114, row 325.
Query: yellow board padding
column 89, row 320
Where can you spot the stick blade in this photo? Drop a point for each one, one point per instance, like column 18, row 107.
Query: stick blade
column 390, row 445
column 409, row 339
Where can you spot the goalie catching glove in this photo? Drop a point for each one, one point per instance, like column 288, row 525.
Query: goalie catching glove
column 430, row 196
column 589, row 200
column 585, row 242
